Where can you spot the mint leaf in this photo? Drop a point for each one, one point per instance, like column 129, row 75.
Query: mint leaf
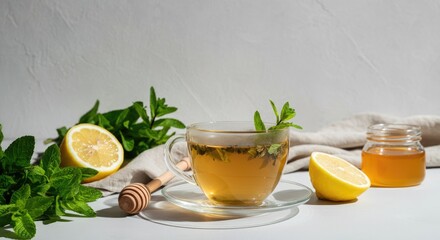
column 88, row 194
column 1, row 138
column 6, row 214
column 164, row 110
column 51, row 160
column 90, row 116
column 58, row 209
column 141, row 111
column 36, row 206
column 41, row 188
column 2, row 154
column 127, row 143
column 20, row 196
column 153, row 102
column 286, row 114
column 23, row 225
column 79, row 207
column 162, row 135
column 6, row 182
column 87, row 173
column 274, row 149
column 6, row 209
column 112, row 116
column 259, row 124
column 61, row 133
column 36, row 174
column 285, row 125
column 121, row 117
column 66, row 181
column 19, row 153
column 169, row 122
column 275, row 111
column 104, row 122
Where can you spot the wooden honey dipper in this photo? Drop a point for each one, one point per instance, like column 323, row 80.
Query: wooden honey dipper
column 135, row 197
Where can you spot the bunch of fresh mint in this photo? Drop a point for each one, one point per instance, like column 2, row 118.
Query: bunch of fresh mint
column 39, row 192
column 132, row 126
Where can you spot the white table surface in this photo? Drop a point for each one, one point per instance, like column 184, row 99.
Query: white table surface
column 380, row 213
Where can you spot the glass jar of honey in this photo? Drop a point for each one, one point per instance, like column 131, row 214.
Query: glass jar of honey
column 393, row 155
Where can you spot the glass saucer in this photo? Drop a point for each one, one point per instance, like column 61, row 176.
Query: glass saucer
column 163, row 212
column 286, row 195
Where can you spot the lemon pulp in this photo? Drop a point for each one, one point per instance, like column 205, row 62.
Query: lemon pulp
column 88, row 145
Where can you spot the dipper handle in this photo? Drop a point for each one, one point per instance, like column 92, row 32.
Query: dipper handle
column 135, row 197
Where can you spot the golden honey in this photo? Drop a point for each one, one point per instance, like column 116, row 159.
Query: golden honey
column 394, row 167
column 393, row 156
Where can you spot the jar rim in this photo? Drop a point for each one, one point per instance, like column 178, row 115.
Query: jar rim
column 394, row 132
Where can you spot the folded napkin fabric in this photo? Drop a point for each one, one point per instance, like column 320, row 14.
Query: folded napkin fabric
column 344, row 139
column 142, row 169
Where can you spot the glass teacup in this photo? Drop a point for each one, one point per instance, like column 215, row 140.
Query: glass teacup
column 232, row 163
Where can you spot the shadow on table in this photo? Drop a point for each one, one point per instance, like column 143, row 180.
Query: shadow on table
column 161, row 211
column 314, row 200
column 8, row 233
column 113, row 211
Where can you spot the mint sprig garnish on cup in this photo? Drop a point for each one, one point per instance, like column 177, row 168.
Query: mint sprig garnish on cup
column 282, row 119
column 285, row 115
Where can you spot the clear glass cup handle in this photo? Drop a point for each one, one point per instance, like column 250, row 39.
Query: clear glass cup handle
column 171, row 161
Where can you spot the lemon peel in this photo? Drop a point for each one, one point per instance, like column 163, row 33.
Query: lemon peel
column 336, row 179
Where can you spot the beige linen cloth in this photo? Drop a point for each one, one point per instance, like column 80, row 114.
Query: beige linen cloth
column 344, row 138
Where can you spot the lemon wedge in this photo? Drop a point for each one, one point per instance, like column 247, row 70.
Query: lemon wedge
column 91, row 146
column 336, row 179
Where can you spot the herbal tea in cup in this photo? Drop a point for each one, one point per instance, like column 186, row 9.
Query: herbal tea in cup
column 231, row 162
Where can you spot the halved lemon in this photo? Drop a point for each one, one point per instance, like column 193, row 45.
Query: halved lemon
column 91, row 146
column 336, row 179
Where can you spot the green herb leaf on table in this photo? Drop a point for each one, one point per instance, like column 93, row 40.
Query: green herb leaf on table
column 51, row 160
column 87, row 173
column 23, row 224
column 19, row 153
column 133, row 127
column 39, row 192
column 37, row 205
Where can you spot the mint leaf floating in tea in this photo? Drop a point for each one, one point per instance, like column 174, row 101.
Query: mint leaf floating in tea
column 274, row 149
column 216, row 153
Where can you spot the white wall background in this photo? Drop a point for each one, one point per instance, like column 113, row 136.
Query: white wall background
column 217, row 60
